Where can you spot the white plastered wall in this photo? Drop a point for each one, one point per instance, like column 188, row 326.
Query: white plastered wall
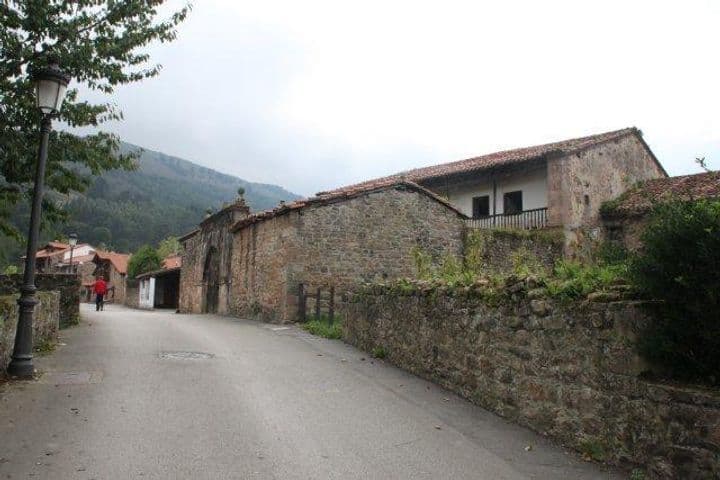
column 532, row 183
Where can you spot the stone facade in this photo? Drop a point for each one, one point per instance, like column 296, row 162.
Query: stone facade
column 507, row 251
column 132, row 294
column 568, row 371
column 205, row 278
column 68, row 285
column 579, row 183
column 340, row 243
column 46, row 322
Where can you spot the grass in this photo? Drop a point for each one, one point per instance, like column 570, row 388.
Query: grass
column 575, row 280
column 379, row 352
column 44, row 348
column 323, row 327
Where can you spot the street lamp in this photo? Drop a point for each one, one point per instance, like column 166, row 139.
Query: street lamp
column 50, row 86
column 73, row 241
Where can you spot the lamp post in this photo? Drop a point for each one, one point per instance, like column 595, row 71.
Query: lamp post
column 50, row 87
column 73, row 241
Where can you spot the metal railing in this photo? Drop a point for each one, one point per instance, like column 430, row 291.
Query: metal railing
column 527, row 219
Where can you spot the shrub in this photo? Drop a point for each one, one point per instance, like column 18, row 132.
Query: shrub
column 679, row 264
column 146, row 259
column 379, row 352
column 577, row 280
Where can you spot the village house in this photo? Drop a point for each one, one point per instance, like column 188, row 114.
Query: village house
column 256, row 264
column 113, row 267
column 559, row 184
column 160, row 288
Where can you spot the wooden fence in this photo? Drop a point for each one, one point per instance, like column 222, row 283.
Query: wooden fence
column 314, row 302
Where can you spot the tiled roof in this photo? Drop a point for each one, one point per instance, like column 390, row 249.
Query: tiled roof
column 339, row 196
column 118, row 260
column 44, row 253
column 173, row 261
column 58, row 245
column 507, row 157
column 641, row 198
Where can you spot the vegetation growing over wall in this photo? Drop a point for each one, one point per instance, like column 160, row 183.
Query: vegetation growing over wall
column 146, row 259
column 680, row 265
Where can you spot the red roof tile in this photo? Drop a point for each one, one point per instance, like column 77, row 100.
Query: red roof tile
column 507, row 157
column 173, row 261
column 118, row 260
column 339, row 196
column 641, row 198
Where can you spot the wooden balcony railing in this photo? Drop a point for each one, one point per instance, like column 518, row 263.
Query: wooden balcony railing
column 527, row 219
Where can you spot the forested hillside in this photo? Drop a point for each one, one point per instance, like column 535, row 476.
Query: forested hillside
column 165, row 196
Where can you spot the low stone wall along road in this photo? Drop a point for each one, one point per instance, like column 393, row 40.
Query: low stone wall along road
column 156, row 395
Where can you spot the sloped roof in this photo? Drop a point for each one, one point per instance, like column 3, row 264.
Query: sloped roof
column 504, row 158
column 342, row 195
column 641, row 198
column 58, row 245
column 118, row 260
column 44, row 253
column 172, row 261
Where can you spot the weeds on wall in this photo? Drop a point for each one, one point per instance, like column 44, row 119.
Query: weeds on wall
column 680, row 265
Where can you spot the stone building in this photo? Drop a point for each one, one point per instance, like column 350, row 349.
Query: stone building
column 626, row 216
column 113, row 267
column 205, row 277
column 338, row 239
column 559, row 184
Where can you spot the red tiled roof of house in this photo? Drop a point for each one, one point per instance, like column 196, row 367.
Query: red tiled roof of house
column 641, row 198
column 173, row 261
column 339, row 196
column 58, row 245
column 503, row 158
column 118, row 260
column 44, row 253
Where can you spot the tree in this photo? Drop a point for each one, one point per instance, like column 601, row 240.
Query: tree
column 679, row 265
column 97, row 43
column 168, row 246
column 146, row 259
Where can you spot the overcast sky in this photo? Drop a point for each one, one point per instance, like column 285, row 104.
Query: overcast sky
column 316, row 94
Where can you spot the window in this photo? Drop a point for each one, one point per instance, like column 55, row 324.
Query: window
column 512, row 203
column 481, row 206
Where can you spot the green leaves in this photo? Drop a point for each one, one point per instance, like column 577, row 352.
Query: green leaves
column 99, row 43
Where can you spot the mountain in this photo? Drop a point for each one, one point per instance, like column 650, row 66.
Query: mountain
column 165, row 196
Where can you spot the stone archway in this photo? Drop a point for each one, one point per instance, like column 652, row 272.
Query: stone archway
column 211, row 280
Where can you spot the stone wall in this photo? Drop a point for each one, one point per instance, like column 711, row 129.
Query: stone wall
column 132, row 292
column 206, row 261
column 365, row 238
column 566, row 371
column 46, row 322
column 68, row 285
column 579, row 183
column 506, row 251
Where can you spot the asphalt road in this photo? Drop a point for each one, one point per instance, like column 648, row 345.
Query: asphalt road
column 116, row 401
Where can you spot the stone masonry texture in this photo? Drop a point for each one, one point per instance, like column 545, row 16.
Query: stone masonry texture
column 68, row 285
column 569, row 371
column 505, row 251
column 579, row 183
column 340, row 244
column 45, row 322
column 207, row 254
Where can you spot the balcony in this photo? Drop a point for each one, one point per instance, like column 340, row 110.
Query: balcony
column 525, row 220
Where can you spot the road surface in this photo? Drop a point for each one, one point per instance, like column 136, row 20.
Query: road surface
column 132, row 394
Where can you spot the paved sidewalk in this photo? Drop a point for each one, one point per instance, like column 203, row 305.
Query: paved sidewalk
column 157, row 395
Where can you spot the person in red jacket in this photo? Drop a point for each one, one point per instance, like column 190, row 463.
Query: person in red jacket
column 100, row 289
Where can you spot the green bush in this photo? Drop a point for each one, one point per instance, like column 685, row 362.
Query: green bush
column 146, row 259
column 323, row 327
column 680, row 265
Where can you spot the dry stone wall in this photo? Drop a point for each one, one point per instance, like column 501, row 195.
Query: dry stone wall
column 46, row 322
column 569, row 371
column 506, row 251
column 67, row 284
